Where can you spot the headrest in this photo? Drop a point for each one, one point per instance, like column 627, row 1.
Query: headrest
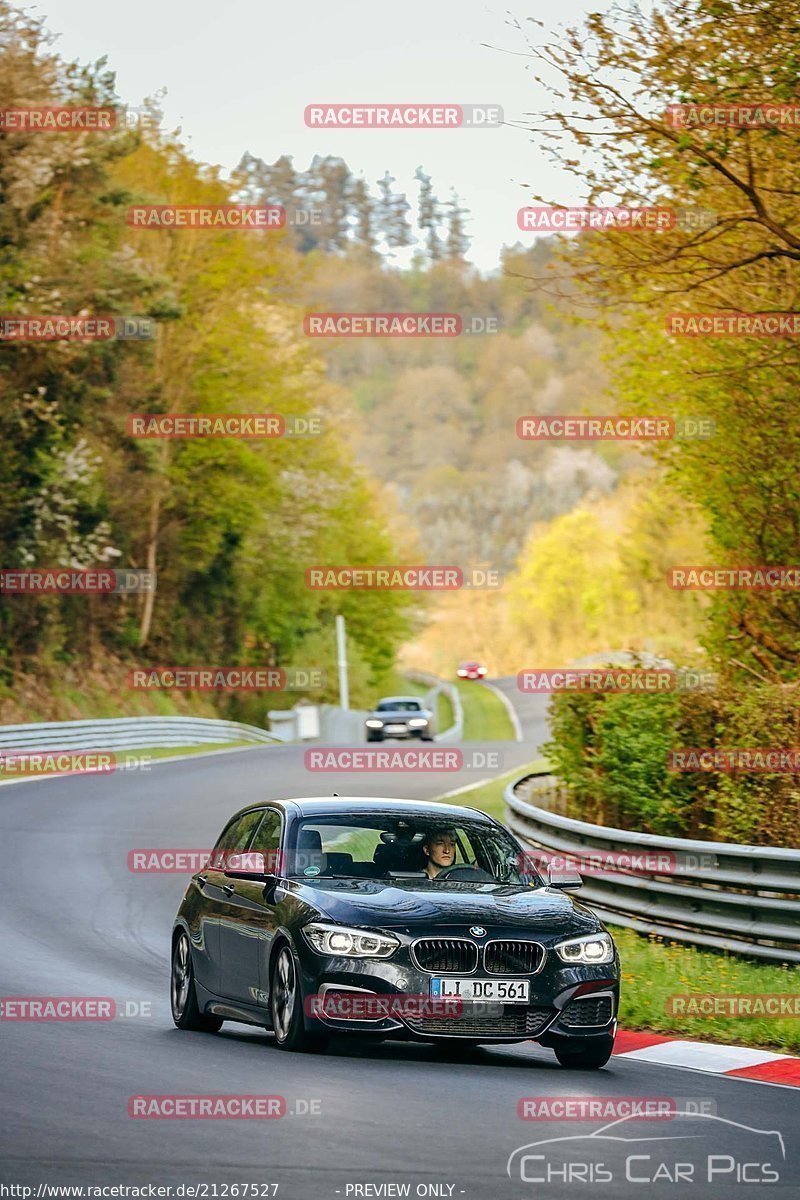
column 339, row 863
column 309, row 839
column 399, row 856
column 310, row 859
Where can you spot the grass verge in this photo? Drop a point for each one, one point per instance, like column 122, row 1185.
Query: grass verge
column 488, row 797
column 169, row 751
column 486, row 718
column 444, row 712
column 653, row 970
column 127, row 759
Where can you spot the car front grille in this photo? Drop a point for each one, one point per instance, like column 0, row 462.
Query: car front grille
column 445, row 954
column 513, row 958
column 515, row 1021
column 591, row 1010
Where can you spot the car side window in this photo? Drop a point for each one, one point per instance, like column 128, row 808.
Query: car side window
column 235, row 838
column 268, row 838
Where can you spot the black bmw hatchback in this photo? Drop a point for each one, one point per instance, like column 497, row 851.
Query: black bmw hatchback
column 390, row 919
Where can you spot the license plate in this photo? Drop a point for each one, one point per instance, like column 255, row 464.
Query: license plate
column 509, row 991
column 395, row 728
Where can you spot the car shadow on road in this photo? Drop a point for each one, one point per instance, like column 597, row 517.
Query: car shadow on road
column 511, row 1057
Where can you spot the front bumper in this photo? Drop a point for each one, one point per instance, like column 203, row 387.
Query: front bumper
column 566, row 1001
column 401, row 734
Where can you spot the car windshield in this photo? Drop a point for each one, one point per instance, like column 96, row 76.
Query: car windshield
column 430, row 849
column 399, row 706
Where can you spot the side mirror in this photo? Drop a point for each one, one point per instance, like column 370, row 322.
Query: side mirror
column 567, row 881
column 249, row 865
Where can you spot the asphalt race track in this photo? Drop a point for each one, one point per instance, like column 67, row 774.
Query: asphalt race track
column 77, row 922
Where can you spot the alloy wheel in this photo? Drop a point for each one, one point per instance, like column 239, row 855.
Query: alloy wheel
column 284, row 994
column 181, row 976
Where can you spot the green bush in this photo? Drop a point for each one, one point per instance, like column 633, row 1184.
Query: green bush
column 610, row 749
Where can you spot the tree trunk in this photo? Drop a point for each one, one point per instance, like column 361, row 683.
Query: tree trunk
column 150, row 563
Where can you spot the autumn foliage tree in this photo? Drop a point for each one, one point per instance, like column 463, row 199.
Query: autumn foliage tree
column 228, row 525
column 735, row 248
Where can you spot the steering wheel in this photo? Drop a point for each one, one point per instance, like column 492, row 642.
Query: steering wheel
column 463, row 872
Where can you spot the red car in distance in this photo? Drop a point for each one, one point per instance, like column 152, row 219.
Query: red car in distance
column 471, row 670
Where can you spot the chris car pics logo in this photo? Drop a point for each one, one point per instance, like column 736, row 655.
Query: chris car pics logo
column 694, row 1148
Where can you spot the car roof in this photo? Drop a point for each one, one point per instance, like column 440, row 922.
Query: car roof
column 391, row 699
column 319, row 806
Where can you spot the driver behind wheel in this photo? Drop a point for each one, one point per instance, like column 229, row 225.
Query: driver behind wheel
column 440, row 851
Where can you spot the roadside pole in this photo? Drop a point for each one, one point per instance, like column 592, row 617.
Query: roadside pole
column 341, row 662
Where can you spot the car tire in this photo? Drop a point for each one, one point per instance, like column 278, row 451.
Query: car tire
column 589, row 1057
column 374, row 737
column 182, row 993
column 427, row 737
column 286, row 1007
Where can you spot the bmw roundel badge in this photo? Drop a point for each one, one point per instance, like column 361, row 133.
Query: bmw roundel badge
column 477, row 930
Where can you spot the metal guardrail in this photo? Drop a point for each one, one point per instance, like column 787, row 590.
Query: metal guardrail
column 743, row 899
column 127, row 733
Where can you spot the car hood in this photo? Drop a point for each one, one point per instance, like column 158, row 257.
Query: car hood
column 401, row 905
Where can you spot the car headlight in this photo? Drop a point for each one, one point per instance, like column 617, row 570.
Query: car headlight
column 417, row 721
column 353, row 943
column 597, row 948
column 373, row 724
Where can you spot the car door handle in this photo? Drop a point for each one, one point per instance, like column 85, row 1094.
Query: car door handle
column 229, row 888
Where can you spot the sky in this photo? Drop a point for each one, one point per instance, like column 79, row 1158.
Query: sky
column 239, row 74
